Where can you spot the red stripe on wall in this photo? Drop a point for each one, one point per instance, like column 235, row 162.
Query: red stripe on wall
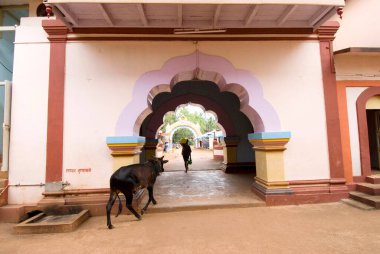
column 326, row 36
column 57, row 32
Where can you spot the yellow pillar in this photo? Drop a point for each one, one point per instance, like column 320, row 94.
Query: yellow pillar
column 125, row 150
column 269, row 150
column 229, row 153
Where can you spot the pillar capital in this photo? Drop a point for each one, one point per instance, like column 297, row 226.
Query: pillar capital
column 230, row 141
column 125, row 150
column 327, row 31
column 125, row 145
column 56, row 30
column 269, row 141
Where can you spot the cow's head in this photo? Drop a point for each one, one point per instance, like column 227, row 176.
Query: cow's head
column 160, row 161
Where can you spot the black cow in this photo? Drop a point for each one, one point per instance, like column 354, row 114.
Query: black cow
column 129, row 179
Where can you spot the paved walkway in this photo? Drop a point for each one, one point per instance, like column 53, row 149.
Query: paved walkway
column 324, row 228
column 202, row 160
column 205, row 189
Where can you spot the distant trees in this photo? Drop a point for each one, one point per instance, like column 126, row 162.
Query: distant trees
column 205, row 121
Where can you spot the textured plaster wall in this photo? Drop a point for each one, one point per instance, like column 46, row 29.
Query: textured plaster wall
column 359, row 25
column 29, row 112
column 363, row 66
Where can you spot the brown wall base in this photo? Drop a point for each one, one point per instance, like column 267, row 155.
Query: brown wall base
column 304, row 195
column 95, row 203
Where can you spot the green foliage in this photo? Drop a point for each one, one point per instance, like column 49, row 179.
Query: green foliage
column 183, row 133
column 205, row 122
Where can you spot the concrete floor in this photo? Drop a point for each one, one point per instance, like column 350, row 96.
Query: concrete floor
column 203, row 190
column 205, row 186
column 322, row 228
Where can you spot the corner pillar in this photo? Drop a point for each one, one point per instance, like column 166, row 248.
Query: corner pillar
column 150, row 148
column 326, row 35
column 125, row 150
column 229, row 153
column 269, row 150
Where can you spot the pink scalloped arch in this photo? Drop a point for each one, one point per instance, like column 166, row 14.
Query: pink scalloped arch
column 203, row 67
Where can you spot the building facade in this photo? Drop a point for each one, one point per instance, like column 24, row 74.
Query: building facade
column 92, row 83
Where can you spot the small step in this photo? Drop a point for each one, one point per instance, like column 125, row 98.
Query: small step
column 3, row 183
column 368, row 188
column 365, row 198
column 375, row 179
column 3, row 174
column 357, row 204
column 3, row 198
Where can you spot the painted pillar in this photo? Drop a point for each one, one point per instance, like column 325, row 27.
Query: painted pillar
column 326, row 35
column 125, row 150
column 57, row 35
column 150, row 148
column 218, row 151
column 269, row 150
column 229, row 152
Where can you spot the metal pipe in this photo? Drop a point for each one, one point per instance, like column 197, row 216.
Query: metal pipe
column 26, row 185
column 6, row 124
column 34, row 184
column 7, row 28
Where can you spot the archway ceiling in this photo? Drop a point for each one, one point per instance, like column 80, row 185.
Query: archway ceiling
column 163, row 17
column 204, row 93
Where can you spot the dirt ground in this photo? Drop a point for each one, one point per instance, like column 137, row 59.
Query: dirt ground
column 323, row 228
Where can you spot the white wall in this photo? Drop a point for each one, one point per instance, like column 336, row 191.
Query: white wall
column 29, row 112
column 363, row 66
column 291, row 77
column 98, row 86
column 359, row 25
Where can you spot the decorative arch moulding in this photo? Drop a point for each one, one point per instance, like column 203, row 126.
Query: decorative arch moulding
column 198, row 65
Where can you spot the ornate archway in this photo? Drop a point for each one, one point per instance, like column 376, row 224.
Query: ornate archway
column 197, row 66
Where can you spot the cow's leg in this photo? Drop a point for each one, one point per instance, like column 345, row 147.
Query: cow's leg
column 110, row 203
column 151, row 199
column 129, row 199
column 151, row 195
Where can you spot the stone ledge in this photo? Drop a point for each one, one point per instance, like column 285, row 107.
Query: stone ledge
column 43, row 223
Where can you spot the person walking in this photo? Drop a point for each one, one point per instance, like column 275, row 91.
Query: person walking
column 186, row 153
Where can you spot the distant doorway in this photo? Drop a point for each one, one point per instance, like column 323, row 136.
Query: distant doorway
column 373, row 124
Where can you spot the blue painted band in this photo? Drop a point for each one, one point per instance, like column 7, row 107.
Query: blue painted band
column 269, row 135
column 125, row 140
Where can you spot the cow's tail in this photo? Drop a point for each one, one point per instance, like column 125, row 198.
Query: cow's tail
column 120, row 205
